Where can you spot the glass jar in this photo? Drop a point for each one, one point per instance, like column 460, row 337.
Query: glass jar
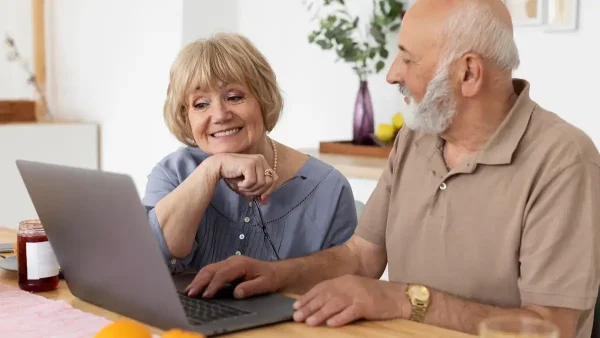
column 38, row 268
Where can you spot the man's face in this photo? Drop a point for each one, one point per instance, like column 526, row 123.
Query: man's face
column 421, row 72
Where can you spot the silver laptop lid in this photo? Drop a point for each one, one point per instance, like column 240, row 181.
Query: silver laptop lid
column 100, row 234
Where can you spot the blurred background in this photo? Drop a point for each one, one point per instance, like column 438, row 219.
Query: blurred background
column 107, row 65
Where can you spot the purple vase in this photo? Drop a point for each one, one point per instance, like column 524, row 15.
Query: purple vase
column 363, row 116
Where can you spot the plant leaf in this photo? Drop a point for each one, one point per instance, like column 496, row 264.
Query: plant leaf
column 372, row 53
column 382, row 7
column 383, row 52
column 377, row 34
column 324, row 44
column 328, row 23
column 379, row 66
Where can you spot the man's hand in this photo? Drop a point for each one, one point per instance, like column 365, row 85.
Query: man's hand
column 345, row 299
column 257, row 277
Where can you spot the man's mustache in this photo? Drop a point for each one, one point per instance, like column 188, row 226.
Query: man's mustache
column 404, row 91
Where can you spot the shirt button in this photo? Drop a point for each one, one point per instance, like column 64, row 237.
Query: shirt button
column 247, row 219
column 173, row 261
column 443, row 186
column 237, row 253
column 249, row 204
column 242, row 236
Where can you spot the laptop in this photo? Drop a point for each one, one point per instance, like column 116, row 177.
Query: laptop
column 99, row 231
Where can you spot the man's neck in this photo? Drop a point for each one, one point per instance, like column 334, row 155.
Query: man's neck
column 473, row 126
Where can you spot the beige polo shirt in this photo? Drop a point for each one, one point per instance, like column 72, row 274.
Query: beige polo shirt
column 517, row 224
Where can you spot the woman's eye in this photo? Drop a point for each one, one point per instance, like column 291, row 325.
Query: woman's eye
column 406, row 61
column 201, row 105
column 235, row 98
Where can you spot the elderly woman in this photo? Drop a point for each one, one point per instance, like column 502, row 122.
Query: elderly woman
column 233, row 190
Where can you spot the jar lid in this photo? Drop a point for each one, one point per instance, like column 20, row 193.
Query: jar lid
column 31, row 225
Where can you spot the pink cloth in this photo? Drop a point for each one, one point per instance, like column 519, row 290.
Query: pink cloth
column 25, row 315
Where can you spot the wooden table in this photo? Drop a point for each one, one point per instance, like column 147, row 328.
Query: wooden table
column 390, row 328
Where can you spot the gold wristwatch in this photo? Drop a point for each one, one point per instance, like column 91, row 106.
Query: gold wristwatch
column 419, row 299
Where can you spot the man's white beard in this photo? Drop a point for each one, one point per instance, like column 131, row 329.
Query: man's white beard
column 435, row 112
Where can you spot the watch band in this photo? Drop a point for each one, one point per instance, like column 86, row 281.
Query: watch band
column 418, row 312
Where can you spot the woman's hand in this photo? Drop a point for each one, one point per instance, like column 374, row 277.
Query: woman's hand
column 248, row 175
column 257, row 277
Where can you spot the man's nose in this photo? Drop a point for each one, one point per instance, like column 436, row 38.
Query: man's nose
column 395, row 74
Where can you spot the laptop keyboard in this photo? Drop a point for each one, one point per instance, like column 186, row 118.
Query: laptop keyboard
column 200, row 311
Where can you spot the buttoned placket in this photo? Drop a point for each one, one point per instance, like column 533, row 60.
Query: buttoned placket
column 241, row 235
column 439, row 169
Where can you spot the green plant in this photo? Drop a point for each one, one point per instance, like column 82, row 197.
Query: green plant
column 340, row 31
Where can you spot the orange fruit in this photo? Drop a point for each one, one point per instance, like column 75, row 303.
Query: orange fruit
column 176, row 333
column 124, row 328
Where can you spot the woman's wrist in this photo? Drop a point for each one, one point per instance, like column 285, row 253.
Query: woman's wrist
column 210, row 170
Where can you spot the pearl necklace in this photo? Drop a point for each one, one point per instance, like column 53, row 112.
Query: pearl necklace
column 274, row 155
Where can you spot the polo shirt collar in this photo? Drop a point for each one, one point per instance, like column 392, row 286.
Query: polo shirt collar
column 501, row 147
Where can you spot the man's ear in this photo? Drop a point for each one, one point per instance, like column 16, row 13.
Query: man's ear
column 471, row 74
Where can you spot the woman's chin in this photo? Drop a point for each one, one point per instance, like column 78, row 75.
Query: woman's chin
column 225, row 147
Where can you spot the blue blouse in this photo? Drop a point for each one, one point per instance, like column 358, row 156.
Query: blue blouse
column 311, row 212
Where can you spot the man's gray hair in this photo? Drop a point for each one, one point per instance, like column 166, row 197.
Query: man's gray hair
column 474, row 28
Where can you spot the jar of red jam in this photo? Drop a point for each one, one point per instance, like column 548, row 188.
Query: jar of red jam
column 38, row 268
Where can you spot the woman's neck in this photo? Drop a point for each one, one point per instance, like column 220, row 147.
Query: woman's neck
column 265, row 148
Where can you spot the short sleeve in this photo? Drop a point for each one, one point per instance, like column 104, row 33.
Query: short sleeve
column 343, row 222
column 162, row 181
column 373, row 220
column 159, row 185
column 559, row 252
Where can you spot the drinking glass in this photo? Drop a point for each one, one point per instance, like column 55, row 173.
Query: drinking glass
column 517, row 327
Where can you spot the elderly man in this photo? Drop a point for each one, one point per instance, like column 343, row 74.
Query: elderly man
column 488, row 205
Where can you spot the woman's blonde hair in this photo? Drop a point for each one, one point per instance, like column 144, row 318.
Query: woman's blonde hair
column 226, row 57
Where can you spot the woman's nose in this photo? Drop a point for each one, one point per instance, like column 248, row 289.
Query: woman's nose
column 221, row 113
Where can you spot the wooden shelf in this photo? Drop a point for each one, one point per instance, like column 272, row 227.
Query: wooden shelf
column 348, row 148
column 351, row 166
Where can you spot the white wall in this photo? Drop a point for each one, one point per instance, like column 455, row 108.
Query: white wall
column 15, row 20
column 564, row 69
column 109, row 63
column 202, row 18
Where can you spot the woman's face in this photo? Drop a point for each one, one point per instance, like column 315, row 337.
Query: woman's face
column 226, row 120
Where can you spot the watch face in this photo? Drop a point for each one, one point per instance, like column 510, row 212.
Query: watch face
column 418, row 292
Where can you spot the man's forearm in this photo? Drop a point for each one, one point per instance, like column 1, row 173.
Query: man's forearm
column 462, row 315
column 300, row 274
